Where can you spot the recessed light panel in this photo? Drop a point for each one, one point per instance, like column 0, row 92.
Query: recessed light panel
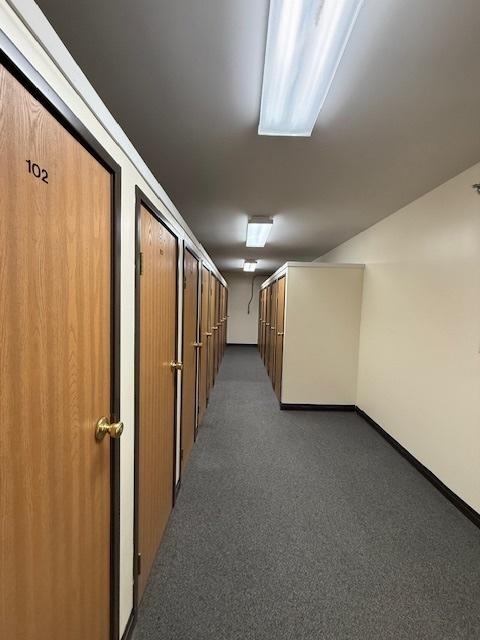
column 258, row 230
column 305, row 43
column 249, row 265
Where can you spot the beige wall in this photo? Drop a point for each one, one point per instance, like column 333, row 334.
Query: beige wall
column 419, row 362
column 242, row 326
column 71, row 85
column 322, row 324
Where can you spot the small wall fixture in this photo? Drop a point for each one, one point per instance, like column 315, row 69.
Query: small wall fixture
column 258, row 230
column 249, row 265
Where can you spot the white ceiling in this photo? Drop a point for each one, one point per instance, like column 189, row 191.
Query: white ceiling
column 183, row 78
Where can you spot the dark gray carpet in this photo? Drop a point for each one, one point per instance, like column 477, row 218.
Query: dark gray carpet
column 306, row 525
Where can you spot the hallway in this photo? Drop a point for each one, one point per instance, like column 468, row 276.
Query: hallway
column 306, row 525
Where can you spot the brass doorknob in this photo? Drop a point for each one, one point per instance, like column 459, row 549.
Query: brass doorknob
column 104, row 427
column 198, row 345
column 176, row 366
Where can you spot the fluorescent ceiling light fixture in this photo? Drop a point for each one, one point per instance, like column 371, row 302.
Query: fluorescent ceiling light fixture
column 249, row 265
column 305, row 43
column 258, row 230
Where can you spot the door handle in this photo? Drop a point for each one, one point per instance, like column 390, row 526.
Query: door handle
column 272, row 328
column 279, row 333
column 209, row 334
column 176, row 366
column 105, row 427
column 198, row 345
column 214, row 328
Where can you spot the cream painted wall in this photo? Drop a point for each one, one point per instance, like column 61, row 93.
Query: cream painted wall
column 322, row 325
column 242, row 326
column 419, row 362
column 30, row 32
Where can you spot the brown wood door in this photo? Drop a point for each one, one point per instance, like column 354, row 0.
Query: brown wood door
column 211, row 337
column 190, row 350
column 157, row 382
column 265, row 326
column 216, row 328
column 226, row 319
column 259, row 330
column 262, row 323
column 55, row 377
column 204, row 329
column 273, row 333
column 280, row 328
column 264, row 315
column 225, row 301
column 222, row 323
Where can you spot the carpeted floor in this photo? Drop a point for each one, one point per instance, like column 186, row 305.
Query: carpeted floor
column 305, row 526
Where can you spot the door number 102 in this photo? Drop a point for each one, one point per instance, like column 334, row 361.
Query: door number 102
column 38, row 172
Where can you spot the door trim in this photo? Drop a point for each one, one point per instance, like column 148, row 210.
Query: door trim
column 142, row 200
column 16, row 64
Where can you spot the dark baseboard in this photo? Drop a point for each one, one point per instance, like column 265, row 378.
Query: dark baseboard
column 127, row 634
column 177, row 490
column 317, row 407
column 461, row 505
column 242, row 344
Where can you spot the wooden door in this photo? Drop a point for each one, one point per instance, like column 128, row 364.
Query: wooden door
column 55, row 377
column 222, row 322
column 259, row 330
column 262, row 322
column 264, row 316
column 157, row 383
column 211, row 337
column 280, row 329
column 204, row 340
column 216, row 327
column 226, row 320
column 190, row 350
column 273, row 333
column 267, row 325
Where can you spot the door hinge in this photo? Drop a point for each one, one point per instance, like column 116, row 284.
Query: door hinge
column 140, row 264
column 139, row 564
